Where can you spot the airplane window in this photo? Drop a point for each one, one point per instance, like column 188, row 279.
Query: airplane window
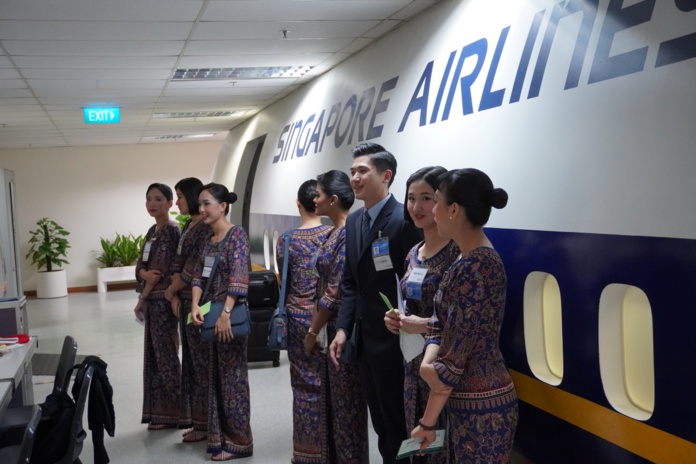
column 543, row 334
column 275, row 252
column 626, row 350
column 267, row 250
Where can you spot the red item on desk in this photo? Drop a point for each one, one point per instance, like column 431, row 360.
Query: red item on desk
column 21, row 338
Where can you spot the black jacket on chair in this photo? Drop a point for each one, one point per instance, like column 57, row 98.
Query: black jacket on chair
column 100, row 410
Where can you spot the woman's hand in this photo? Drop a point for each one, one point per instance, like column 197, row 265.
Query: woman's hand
column 311, row 344
column 223, row 328
column 428, row 436
column 152, row 276
column 176, row 305
column 139, row 310
column 413, row 324
column 392, row 321
column 169, row 294
column 196, row 315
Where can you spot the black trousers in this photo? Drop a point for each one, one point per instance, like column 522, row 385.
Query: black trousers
column 383, row 388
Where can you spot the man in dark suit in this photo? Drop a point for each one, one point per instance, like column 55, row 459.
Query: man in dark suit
column 376, row 249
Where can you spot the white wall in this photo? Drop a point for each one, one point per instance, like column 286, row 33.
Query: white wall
column 599, row 157
column 95, row 192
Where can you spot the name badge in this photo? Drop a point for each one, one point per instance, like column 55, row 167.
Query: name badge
column 146, row 251
column 313, row 271
column 380, row 254
column 181, row 243
column 208, row 266
column 313, row 259
column 414, row 283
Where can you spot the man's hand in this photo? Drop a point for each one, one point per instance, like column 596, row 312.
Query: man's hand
column 391, row 320
column 336, row 348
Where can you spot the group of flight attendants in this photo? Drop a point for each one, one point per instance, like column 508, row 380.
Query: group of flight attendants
column 344, row 345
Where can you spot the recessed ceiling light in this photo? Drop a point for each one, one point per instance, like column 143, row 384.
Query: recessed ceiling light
column 273, row 72
column 176, row 138
column 199, row 136
column 196, row 114
column 163, row 137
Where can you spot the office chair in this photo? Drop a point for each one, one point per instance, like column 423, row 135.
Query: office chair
column 16, row 419
column 77, row 431
column 21, row 453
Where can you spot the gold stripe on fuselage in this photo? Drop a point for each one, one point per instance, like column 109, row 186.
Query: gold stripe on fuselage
column 637, row 437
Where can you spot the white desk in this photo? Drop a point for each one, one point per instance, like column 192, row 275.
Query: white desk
column 5, row 395
column 15, row 371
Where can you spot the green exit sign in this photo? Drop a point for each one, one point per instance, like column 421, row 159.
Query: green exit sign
column 102, row 115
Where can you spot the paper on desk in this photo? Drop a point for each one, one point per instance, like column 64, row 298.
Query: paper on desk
column 205, row 309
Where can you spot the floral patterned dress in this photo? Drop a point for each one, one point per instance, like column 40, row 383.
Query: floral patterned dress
column 343, row 426
column 194, row 352
column 482, row 410
column 161, row 367
column 304, row 370
column 416, row 389
column 229, row 413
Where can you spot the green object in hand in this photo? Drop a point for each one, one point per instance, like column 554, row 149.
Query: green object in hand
column 205, row 309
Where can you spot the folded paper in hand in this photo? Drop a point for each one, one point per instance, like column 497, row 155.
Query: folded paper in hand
column 411, row 446
column 140, row 318
column 411, row 344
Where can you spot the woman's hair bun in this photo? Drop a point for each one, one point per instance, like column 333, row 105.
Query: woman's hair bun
column 498, row 198
column 231, row 198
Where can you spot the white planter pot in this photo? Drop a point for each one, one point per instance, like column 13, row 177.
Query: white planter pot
column 114, row 274
column 52, row 284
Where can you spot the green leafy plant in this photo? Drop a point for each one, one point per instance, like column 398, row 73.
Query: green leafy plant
column 107, row 256
column 128, row 248
column 48, row 246
column 123, row 251
column 180, row 218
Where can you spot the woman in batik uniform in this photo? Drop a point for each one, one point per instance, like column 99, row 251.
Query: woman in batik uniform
column 435, row 254
column 194, row 352
column 463, row 364
column 161, row 368
column 301, row 288
column 343, row 426
column 229, row 429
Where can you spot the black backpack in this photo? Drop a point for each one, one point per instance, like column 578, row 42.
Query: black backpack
column 53, row 432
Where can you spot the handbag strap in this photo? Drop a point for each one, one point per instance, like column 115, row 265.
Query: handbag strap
column 223, row 243
column 284, row 281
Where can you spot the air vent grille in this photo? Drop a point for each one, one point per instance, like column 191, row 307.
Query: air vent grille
column 273, row 72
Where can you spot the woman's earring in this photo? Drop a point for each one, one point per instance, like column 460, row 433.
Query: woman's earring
column 450, row 218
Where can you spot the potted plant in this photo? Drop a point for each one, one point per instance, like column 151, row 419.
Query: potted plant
column 48, row 248
column 118, row 258
column 180, row 218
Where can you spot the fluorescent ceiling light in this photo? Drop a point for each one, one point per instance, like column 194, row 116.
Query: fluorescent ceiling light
column 163, row 138
column 199, row 136
column 273, row 72
column 198, row 114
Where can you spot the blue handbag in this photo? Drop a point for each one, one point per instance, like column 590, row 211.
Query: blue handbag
column 239, row 317
column 278, row 328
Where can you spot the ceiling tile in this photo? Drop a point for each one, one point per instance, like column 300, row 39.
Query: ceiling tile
column 60, row 56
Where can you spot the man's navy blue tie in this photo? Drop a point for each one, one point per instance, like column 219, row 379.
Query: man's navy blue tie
column 365, row 228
